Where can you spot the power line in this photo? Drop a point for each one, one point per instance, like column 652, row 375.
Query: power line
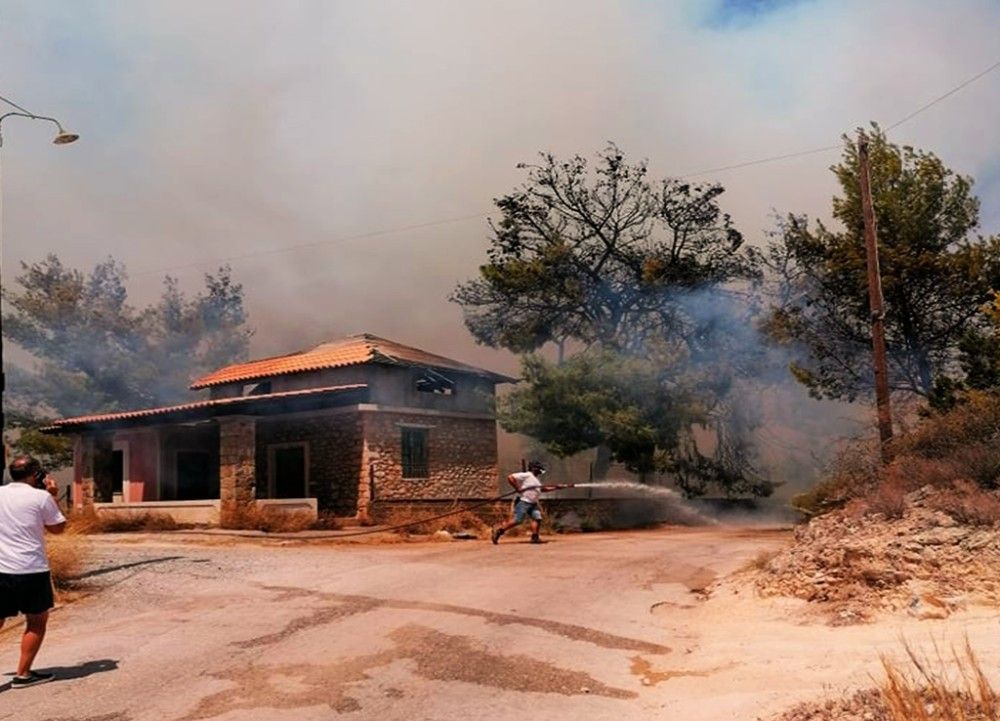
column 937, row 100
column 827, row 148
column 315, row 244
column 761, row 161
column 447, row 221
column 15, row 105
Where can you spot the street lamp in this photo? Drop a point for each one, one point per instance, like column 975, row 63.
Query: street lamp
column 63, row 137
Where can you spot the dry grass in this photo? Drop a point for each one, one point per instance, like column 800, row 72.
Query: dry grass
column 759, row 562
column 413, row 518
column 854, row 473
column 936, row 690
column 143, row 522
column 269, row 520
column 965, row 440
column 889, row 498
column 952, row 688
column 968, row 504
column 329, row 522
column 943, row 451
column 86, row 522
column 67, row 553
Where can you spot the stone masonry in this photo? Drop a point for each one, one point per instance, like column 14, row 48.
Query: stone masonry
column 237, row 463
column 462, row 455
column 335, row 449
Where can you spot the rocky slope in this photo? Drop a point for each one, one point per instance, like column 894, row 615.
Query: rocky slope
column 929, row 561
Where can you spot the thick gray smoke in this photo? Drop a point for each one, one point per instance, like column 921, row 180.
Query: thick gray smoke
column 231, row 129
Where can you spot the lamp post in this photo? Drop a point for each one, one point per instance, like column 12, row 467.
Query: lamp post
column 63, row 137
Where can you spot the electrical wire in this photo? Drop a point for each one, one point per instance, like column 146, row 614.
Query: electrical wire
column 948, row 94
column 315, row 244
column 761, row 161
column 828, row 148
column 15, row 105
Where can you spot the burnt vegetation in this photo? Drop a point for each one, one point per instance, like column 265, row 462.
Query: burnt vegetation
column 91, row 351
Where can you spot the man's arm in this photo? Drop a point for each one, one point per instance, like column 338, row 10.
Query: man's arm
column 54, row 521
column 514, row 483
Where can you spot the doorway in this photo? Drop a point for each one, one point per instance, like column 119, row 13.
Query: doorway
column 194, row 476
column 288, row 470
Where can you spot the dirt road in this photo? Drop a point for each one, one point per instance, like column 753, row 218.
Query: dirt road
column 608, row 626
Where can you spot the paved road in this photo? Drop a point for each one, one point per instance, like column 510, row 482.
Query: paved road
column 583, row 627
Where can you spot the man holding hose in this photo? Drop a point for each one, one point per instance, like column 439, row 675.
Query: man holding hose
column 529, row 490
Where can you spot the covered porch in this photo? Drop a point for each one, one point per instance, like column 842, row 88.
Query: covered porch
column 198, row 462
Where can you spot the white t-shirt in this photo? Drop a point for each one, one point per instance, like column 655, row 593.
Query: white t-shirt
column 24, row 513
column 530, row 486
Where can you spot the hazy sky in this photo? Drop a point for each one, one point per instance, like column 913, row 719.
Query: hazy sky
column 213, row 129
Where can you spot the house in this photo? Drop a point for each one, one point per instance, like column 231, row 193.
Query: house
column 330, row 429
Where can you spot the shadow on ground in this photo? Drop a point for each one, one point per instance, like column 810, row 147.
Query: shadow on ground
column 72, row 673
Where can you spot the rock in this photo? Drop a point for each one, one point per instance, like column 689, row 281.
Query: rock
column 570, row 522
column 914, row 497
column 926, row 606
column 980, row 541
column 464, row 536
column 442, row 535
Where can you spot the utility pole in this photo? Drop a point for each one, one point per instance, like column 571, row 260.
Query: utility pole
column 875, row 302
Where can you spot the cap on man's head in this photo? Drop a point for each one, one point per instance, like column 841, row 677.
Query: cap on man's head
column 536, row 467
column 24, row 467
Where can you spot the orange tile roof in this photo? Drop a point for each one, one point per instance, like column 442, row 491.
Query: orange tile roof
column 65, row 423
column 353, row 350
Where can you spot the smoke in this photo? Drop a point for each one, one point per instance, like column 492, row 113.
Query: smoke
column 233, row 128
column 225, row 129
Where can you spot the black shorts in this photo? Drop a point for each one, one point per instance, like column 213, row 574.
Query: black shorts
column 28, row 593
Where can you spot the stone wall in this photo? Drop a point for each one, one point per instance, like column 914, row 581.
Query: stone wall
column 462, row 456
column 335, row 457
column 236, row 463
column 389, row 512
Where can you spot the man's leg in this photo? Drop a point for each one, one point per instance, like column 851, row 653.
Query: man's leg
column 516, row 517
column 535, row 527
column 34, row 633
column 536, row 523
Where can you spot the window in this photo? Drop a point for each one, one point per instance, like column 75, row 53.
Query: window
column 429, row 381
column 257, row 389
column 415, row 453
column 288, row 470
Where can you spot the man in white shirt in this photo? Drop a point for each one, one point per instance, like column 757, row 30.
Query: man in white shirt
column 26, row 512
column 529, row 489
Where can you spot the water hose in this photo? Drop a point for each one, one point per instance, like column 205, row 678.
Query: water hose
column 479, row 504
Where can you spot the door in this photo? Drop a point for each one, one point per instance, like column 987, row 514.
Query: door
column 117, row 475
column 194, row 470
column 288, row 472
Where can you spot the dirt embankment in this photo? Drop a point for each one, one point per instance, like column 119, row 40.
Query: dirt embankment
column 924, row 554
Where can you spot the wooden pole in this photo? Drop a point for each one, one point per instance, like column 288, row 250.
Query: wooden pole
column 875, row 302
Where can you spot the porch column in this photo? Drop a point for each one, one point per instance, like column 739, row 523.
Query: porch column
column 366, row 483
column 237, row 464
column 83, row 472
